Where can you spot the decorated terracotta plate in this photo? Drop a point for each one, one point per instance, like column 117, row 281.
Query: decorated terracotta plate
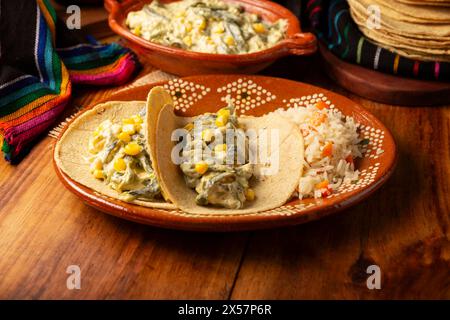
column 256, row 96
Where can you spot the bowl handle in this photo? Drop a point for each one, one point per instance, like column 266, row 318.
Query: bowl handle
column 301, row 44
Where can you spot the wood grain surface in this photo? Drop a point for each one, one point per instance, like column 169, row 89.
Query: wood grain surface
column 404, row 228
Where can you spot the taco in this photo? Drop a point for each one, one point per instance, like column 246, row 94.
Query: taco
column 106, row 149
column 218, row 163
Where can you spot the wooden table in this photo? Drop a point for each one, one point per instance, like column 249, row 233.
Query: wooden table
column 404, row 228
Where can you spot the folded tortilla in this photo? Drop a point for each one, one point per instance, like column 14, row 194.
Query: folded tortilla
column 271, row 191
column 71, row 151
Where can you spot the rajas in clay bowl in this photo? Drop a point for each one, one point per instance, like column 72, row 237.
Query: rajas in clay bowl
column 183, row 62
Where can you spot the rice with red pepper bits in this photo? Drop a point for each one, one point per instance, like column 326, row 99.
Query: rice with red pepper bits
column 332, row 142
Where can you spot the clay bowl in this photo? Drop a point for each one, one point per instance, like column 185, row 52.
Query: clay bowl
column 200, row 94
column 183, row 62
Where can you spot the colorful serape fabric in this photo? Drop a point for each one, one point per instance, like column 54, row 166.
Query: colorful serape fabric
column 40, row 60
column 332, row 23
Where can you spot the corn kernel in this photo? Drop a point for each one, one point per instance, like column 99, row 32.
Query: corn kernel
column 189, row 126
column 137, row 119
column 201, row 24
column 218, row 28
column 201, row 167
column 187, row 41
column 188, row 27
column 127, row 121
column 220, row 147
column 98, row 174
column 224, row 112
column 125, row 137
column 98, row 165
column 221, row 121
column 259, row 28
column 249, row 194
column 137, row 30
column 207, row 135
column 229, row 40
column 96, row 145
column 132, row 149
column 100, row 144
column 129, row 128
column 120, row 164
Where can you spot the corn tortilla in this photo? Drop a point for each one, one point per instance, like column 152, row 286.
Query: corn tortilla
column 271, row 191
column 71, row 152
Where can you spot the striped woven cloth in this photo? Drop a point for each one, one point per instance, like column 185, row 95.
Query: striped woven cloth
column 40, row 60
column 334, row 26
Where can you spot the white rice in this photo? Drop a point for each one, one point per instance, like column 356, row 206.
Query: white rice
column 337, row 129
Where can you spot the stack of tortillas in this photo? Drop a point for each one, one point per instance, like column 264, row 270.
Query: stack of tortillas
column 417, row 29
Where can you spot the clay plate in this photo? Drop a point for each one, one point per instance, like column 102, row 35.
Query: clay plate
column 255, row 95
column 184, row 63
